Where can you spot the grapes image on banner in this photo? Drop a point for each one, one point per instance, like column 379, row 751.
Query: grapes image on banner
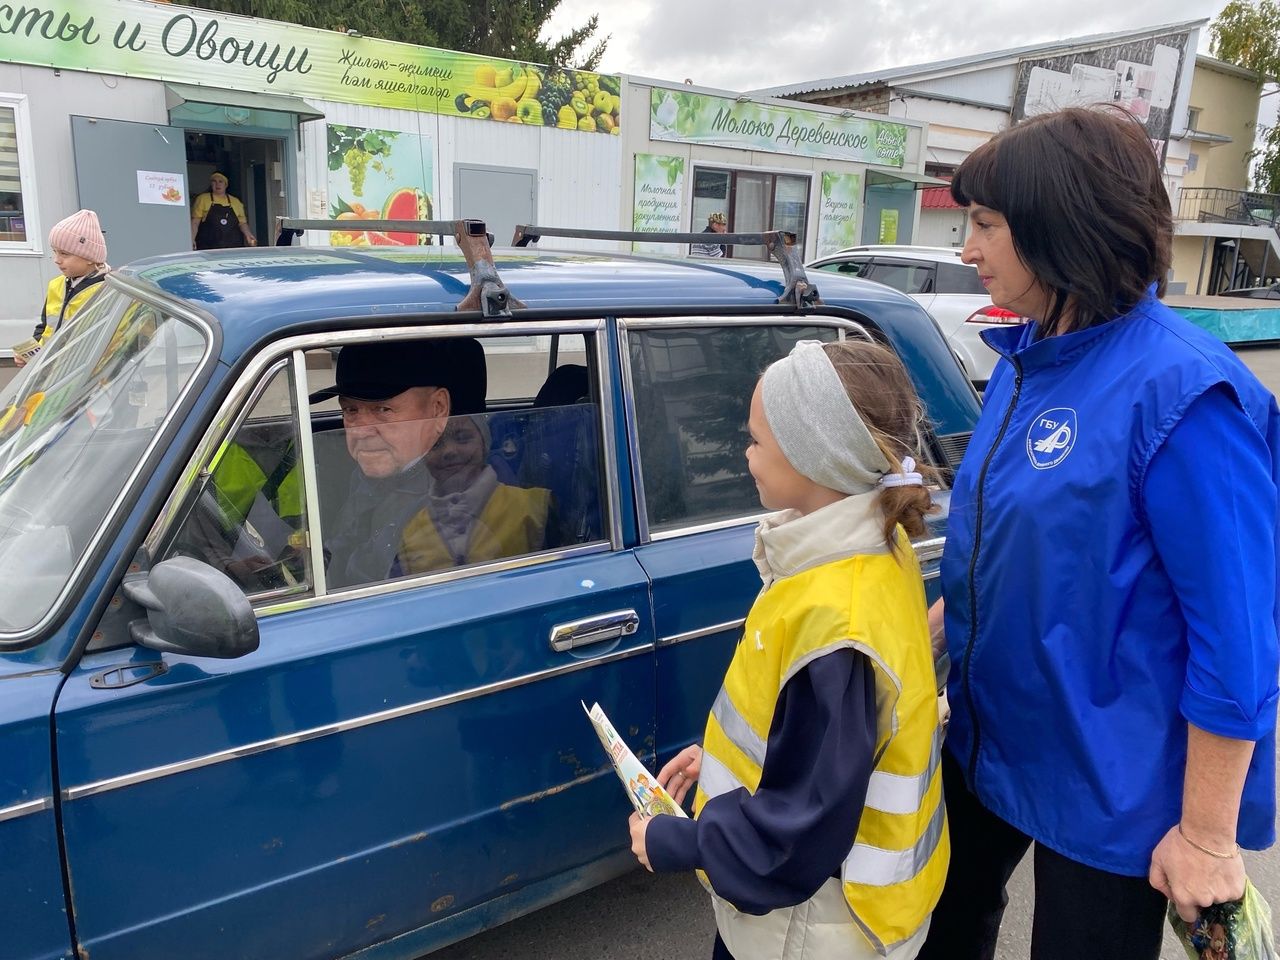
column 379, row 175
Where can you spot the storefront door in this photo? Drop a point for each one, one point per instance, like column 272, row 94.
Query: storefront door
column 138, row 215
column 500, row 196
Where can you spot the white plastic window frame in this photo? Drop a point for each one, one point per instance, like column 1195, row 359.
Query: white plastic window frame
column 26, row 176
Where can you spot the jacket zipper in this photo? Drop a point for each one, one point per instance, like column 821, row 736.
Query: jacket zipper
column 973, row 564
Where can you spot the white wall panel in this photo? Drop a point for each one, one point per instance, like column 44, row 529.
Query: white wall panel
column 53, row 96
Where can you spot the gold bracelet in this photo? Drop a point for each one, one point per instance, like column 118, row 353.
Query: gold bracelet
column 1212, row 853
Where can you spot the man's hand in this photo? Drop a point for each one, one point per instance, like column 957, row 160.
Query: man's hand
column 1193, row 879
column 638, row 826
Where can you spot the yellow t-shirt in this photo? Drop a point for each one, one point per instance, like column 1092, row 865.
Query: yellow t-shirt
column 205, row 202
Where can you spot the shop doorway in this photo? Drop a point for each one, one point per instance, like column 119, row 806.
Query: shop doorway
column 122, row 172
column 752, row 201
column 254, row 167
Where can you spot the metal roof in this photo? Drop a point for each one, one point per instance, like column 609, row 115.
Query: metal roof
column 956, row 65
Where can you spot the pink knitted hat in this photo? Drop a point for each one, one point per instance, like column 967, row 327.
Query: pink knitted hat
column 80, row 234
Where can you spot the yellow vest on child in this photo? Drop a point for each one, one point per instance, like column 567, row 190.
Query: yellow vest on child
column 873, row 603
column 55, row 313
column 513, row 522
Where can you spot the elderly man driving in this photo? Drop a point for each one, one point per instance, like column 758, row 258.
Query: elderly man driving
column 396, row 399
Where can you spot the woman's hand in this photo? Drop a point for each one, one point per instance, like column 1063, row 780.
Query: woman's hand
column 638, row 826
column 1193, row 879
column 937, row 630
column 680, row 773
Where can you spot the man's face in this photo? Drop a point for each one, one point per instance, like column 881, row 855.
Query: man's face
column 719, row 227
column 385, row 436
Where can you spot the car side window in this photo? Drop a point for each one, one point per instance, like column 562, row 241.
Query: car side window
column 248, row 518
column 849, row 268
column 692, row 389
column 960, row 278
column 500, row 459
column 908, row 277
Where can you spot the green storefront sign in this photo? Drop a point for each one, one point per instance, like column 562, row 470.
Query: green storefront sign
column 186, row 45
column 719, row 121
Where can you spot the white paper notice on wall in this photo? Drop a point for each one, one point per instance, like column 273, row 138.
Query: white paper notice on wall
column 164, row 188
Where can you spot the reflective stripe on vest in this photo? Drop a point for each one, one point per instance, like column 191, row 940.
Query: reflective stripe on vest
column 896, row 865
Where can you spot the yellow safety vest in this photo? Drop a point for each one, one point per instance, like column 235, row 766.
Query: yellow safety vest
column 873, row 603
column 513, row 522
column 55, row 314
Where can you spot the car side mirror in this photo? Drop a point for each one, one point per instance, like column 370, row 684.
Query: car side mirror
column 191, row 609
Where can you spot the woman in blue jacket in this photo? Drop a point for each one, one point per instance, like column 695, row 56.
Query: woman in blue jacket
column 1109, row 581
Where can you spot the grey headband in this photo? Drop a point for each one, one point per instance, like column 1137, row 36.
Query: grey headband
column 819, row 430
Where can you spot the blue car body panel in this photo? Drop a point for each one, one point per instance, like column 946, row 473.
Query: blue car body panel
column 387, row 772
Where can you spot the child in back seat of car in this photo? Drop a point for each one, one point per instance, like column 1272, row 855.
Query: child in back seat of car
column 470, row 516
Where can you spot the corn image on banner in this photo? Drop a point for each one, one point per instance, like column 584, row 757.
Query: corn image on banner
column 186, row 45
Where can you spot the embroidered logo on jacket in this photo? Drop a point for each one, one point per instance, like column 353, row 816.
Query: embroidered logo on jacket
column 1051, row 437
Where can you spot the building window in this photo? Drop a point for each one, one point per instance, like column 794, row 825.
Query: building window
column 17, row 193
column 1193, row 118
column 752, row 201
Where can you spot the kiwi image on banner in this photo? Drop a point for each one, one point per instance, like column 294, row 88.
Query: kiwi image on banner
column 379, row 175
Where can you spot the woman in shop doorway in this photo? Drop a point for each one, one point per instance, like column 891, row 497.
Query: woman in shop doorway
column 218, row 220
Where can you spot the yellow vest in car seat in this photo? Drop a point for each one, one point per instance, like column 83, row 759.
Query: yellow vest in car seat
column 513, row 522
column 873, row 603
column 238, row 479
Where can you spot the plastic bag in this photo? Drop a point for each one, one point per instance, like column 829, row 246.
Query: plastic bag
column 1240, row 930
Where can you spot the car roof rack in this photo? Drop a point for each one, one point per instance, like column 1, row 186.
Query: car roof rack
column 488, row 293
column 781, row 244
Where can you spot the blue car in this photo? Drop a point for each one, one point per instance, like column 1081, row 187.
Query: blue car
column 262, row 696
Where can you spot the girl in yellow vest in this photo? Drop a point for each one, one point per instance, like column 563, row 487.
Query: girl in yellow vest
column 80, row 253
column 819, row 827
column 470, row 516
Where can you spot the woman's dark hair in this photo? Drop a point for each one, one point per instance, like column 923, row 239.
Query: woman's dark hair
column 881, row 390
column 1086, row 206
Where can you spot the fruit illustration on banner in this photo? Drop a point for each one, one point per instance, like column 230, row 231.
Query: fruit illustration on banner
column 407, row 203
column 537, row 95
column 382, row 194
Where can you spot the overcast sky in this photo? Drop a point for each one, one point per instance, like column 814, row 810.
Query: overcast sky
column 747, row 44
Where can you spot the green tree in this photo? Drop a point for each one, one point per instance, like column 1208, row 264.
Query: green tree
column 1248, row 35
column 492, row 28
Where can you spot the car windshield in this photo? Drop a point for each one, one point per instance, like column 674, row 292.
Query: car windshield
column 74, row 426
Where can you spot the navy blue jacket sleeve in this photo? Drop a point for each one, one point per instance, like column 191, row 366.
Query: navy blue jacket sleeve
column 775, row 848
column 1211, row 505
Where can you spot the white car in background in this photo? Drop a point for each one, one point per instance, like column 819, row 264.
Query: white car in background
column 937, row 280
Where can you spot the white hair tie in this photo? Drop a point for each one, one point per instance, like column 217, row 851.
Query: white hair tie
column 907, row 478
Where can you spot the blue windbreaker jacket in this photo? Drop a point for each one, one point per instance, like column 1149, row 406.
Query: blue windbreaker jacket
column 1072, row 670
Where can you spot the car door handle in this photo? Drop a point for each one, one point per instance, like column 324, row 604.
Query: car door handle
column 582, row 633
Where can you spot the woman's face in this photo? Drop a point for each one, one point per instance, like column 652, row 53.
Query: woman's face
column 989, row 247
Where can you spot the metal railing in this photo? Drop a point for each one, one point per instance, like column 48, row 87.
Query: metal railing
column 1226, row 205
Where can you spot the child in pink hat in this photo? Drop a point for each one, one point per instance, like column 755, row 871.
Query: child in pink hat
column 80, row 253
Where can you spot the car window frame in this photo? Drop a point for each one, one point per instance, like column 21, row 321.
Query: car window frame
column 236, row 405
column 88, row 563
column 625, row 328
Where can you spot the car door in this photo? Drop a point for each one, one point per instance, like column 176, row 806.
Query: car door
column 689, row 386
column 394, row 753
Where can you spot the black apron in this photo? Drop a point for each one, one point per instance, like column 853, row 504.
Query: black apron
column 219, row 228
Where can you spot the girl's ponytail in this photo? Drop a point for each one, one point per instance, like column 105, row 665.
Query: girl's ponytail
column 882, row 393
